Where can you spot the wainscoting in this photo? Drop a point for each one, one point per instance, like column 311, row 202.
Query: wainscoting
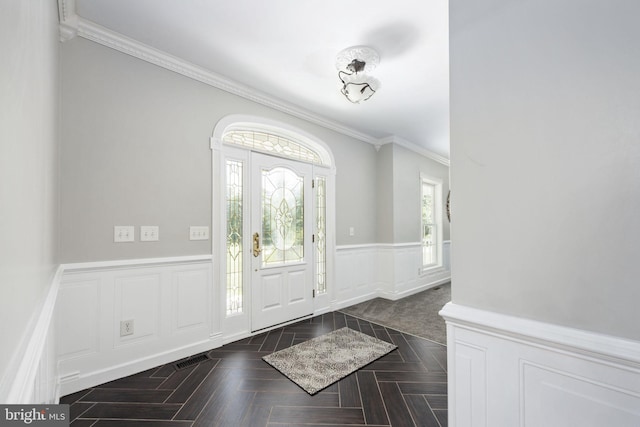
column 170, row 302
column 390, row 271
column 34, row 366
column 509, row 371
column 176, row 311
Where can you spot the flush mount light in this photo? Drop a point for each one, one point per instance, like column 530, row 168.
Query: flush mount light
column 353, row 64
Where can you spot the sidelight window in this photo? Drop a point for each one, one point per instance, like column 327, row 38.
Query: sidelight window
column 234, row 249
column 320, row 234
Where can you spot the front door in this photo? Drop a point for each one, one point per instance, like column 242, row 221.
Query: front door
column 281, row 247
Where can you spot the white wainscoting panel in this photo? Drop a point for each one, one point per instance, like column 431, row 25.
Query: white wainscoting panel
column 34, row 366
column 391, row 271
column 509, row 371
column 356, row 275
column 407, row 265
column 169, row 301
column 470, row 384
column 78, row 338
column 191, row 295
column 137, row 298
column 582, row 400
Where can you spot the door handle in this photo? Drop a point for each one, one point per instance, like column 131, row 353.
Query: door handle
column 256, row 245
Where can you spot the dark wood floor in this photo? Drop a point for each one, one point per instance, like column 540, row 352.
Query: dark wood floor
column 407, row 387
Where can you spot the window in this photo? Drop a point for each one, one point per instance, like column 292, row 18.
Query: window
column 320, row 235
column 272, row 144
column 234, row 219
column 431, row 221
column 282, row 217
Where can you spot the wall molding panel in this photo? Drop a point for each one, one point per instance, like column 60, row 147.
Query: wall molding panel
column 390, row 271
column 540, row 374
column 174, row 307
column 169, row 301
column 36, row 374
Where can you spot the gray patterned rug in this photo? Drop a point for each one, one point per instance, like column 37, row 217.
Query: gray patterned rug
column 321, row 361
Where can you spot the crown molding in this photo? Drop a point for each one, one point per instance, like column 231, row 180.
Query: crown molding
column 66, row 10
column 73, row 25
column 413, row 147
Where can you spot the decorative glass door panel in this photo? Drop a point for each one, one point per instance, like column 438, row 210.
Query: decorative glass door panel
column 281, row 212
column 282, row 216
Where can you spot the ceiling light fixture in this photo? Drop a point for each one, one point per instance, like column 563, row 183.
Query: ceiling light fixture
column 353, row 64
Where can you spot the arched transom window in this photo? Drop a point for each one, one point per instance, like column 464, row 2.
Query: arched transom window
column 273, row 144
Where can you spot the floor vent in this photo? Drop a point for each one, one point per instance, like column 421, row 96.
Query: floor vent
column 191, row 361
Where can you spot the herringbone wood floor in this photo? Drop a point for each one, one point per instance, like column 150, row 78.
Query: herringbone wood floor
column 407, row 387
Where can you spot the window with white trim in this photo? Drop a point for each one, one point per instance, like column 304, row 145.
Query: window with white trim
column 431, row 221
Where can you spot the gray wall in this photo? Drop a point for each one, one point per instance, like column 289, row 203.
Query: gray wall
column 399, row 193
column 407, row 167
column 384, row 182
column 28, row 170
column 545, row 160
column 135, row 151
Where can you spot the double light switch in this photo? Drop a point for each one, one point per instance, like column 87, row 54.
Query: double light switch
column 126, row 233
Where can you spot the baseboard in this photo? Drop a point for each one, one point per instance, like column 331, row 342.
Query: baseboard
column 406, row 293
column 337, row 305
column 34, row 380
column 76, row 381
column 506, row 370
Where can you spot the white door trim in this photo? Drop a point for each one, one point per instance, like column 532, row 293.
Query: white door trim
column 239, row 325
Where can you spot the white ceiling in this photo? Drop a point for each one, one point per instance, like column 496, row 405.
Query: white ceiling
column 286, row 50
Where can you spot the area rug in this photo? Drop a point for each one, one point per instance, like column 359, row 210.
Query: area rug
column 321, row 361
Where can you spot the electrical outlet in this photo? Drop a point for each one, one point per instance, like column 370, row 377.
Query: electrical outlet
column 126, row 327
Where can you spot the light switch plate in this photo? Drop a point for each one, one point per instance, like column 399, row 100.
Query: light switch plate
column 149, row 233
column 123, row 233
column 198, row 233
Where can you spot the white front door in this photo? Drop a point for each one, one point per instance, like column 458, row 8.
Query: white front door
column 281, row 247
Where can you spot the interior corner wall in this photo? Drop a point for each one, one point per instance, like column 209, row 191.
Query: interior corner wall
column 384, row 184
column 356, row 193
column 135, row 151
column 545, row 160
column 28, row 171
column 407, row 167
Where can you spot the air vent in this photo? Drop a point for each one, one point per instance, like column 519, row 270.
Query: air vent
column 191, row 361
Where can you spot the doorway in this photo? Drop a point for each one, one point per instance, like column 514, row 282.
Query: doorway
column 273, row 209
column 281, row 239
